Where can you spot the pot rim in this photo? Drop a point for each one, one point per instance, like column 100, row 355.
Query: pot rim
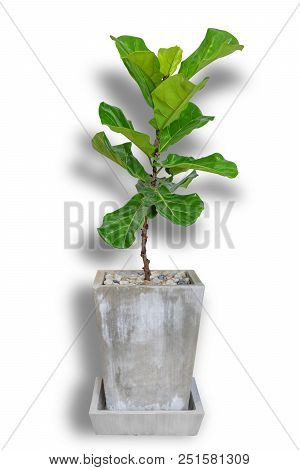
column 99, row 279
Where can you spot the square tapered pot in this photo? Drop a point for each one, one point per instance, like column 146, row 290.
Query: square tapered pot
column 148, row 337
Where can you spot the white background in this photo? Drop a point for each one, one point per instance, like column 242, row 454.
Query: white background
column 252, row 291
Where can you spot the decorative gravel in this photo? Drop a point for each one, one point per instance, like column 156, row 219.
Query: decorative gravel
column 158, row 278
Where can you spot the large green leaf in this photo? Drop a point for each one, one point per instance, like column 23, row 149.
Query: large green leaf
column 216, row 44
column 191, row 118
column 151, row 212
column 120, row 154
column 169, row 60
column 184, row 183
column 214, row 163
column 171, row 97
column 114, row 118
column 148, row 63
column 127, row 45
column 119, row 227
column 179, row 209
column 170, row 184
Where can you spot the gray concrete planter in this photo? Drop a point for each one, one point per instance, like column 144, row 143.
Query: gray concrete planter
column 148, row 338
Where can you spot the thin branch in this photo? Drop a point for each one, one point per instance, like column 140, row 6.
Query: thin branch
column 146, row 261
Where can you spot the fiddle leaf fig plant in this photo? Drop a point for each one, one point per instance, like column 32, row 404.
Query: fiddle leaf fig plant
column 174, row 116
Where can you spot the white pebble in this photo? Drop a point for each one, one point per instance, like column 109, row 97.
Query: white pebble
column 157, row 278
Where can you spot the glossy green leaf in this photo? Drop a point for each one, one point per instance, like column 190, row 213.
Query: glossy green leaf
column 169, row 60
column 179, row 209
column 148, row 63
column 214, row 163
column 172, row 185
column 141, row 186
column 185, row 182
column 171, row 97
column 168, row 183
column 119, row 227
column 120, row 154
column 151, row 212
column 115, row 119
column 127, row 45
column 216, row 44
column 191, row 118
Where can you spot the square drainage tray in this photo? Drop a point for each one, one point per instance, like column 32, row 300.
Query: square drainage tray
column 159, row 423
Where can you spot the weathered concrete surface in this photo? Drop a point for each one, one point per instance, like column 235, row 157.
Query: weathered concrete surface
column 170, row 423
column 148, row 337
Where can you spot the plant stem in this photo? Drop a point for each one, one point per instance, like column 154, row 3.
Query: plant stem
column 146, row 261
column 155, row 171
column 155, row 158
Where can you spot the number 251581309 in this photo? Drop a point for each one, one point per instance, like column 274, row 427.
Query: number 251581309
column 188, row 459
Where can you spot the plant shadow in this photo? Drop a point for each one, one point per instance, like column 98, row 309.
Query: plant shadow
column 96, row 171
column 222, row 77
column 88, row 364
column 124, row 93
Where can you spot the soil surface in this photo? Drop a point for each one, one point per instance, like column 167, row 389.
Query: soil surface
column 158, row 278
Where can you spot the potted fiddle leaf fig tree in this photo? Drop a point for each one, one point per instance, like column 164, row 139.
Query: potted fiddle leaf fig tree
column 148, row 320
